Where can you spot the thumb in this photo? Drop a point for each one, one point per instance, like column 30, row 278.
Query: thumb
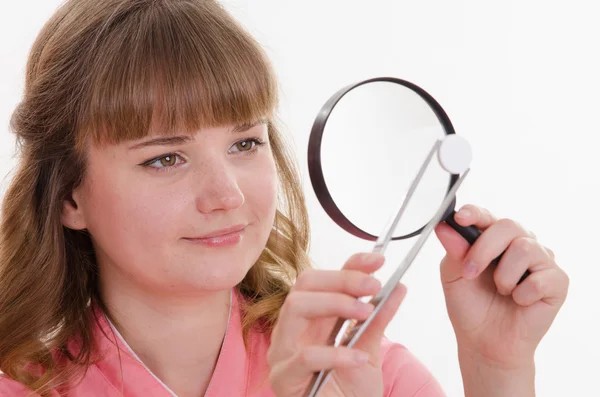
column 456, row 249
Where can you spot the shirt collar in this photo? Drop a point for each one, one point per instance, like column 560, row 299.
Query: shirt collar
column 230, row 376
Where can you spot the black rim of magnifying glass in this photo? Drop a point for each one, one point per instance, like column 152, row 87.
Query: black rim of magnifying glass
column 315, row 169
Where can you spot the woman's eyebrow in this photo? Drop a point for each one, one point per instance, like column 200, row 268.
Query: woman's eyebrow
column 246, row 126
column 182, row 139
column 163, row 141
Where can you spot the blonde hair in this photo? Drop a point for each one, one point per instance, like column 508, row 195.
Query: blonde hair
column 105, row 71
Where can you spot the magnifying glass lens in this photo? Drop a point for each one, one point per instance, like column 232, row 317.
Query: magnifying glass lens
column 373, row 144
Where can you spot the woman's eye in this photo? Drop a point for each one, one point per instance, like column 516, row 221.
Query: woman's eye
column 168, row 161
column 244, row 145
column 165, row 162
column 247, row 145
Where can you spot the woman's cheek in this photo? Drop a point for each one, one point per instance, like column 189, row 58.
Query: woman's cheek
column 262, row 187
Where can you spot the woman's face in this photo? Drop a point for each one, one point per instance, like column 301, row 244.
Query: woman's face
column 179, row 214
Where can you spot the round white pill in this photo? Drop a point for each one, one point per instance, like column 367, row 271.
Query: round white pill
column 455, row 154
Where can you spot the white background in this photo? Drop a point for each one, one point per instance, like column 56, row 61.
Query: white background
column 519, row 79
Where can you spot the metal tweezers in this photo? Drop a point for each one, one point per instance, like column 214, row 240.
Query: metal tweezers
column 347, row 332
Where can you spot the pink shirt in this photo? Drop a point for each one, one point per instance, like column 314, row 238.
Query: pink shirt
column 238, row 372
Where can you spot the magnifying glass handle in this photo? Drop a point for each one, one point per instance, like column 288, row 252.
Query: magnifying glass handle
column 471, row 234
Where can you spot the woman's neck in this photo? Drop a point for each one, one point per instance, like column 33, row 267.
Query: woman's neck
column 178, row 340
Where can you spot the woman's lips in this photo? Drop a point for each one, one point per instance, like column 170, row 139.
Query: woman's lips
column 220, row 238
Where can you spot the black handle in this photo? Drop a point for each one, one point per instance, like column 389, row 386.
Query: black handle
column 471, row 234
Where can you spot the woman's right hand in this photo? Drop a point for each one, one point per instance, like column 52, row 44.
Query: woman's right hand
column 298, row 343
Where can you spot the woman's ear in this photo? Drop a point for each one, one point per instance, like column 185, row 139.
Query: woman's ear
column 72, row 212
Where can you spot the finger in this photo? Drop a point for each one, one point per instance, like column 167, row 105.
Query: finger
column 455, row 245
column 549, row 285
column 370, row 340
column 451, row 266
column 493, row 242
column 310, row 304
column 367, row 262
column 302, row 306
column 472, row 215
column 351, row 282
column 314, row 358
column 523, row 253
column 293, row 373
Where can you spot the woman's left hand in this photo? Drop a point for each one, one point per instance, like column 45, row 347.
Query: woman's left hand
column 496, row 320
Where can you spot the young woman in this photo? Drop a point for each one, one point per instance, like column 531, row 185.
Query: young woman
column 154, row 236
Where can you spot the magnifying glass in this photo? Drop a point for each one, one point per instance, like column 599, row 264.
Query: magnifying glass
column 379, row 131
column 367, row 143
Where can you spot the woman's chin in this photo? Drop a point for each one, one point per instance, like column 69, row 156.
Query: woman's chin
column 213, row 282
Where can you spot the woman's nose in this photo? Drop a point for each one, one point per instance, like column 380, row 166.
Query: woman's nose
column 218, row 189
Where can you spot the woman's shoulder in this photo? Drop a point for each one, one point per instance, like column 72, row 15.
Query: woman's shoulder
column 404, row 375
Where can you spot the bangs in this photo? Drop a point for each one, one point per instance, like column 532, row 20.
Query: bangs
column 172, row 68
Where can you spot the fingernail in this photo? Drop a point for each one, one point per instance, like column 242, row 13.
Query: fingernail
column 470, row 270
column 360, row 357
column 371, row 283
column 464, row 213
column 366, row 308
